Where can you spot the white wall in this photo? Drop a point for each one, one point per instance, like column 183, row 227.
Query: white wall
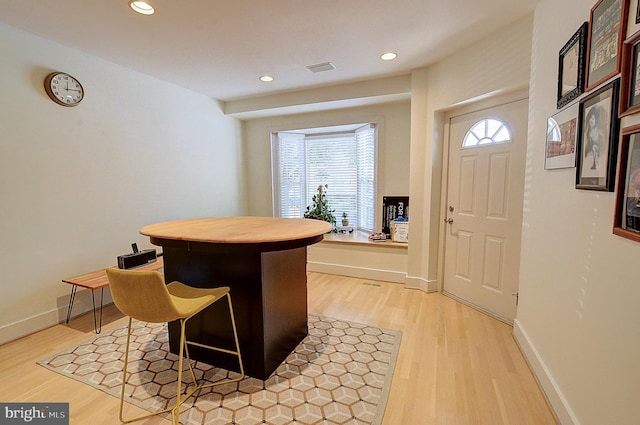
column 495, row 65
column 578, row 315
column 76, row 184
column 393, row 172
column 393, row 148
column 577, row 318
column 386, row 262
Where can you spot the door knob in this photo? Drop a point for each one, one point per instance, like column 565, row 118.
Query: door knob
column 448, row 220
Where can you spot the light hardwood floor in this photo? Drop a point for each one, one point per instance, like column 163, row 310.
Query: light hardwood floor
column 456, row 366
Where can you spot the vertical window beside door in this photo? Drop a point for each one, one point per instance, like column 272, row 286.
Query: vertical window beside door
column 345, row 161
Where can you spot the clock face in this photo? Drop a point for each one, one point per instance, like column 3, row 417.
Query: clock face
column 63, row 89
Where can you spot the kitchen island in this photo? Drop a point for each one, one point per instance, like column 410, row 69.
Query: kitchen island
column 263, row 261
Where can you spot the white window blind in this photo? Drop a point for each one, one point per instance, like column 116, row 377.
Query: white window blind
column 366, row 148
column 344, row 161
column 289, row 161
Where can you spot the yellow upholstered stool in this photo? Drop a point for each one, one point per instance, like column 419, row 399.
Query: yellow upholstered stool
column 143, row 295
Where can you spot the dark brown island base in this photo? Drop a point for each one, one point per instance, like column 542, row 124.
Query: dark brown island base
column 263, row 260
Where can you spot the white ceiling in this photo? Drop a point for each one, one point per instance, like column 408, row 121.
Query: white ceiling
column 221, row 47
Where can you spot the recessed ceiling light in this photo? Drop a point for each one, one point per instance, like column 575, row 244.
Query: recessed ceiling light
column 266, row 78
column 389, row 56
column 142, row 7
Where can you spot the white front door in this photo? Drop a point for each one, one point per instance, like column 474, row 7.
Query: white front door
column 485, row 189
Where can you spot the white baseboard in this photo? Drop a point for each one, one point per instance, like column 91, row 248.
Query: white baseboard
column 359, row 272
column 32, row 324
column 374, row 274
column 422, row 284
column 550, row 388
column 27, row 326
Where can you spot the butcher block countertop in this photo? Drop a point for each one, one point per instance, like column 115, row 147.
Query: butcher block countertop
column 241, row 230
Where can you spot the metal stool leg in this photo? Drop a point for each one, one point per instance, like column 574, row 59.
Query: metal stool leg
column 97, row 326
column 185, row 343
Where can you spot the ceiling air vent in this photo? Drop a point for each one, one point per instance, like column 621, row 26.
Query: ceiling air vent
column 321, row 67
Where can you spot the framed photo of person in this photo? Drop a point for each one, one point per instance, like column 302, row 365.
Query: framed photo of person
column 571, row 66
column 630, row 76
column 607, row 29
column 627, row 217
column 562, row 132
column 597, row 141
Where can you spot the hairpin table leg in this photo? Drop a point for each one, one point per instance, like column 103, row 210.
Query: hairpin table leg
column 72, row 298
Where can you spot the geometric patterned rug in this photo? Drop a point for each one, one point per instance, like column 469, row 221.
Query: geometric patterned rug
column 339, row 374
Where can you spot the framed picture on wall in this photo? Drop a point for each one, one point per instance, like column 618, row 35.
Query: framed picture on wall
column 571, row 66
column 562, row 134
column 630, row 76
column 633, row 18
column 627, row 215
column 597, row 140
column 607, row 29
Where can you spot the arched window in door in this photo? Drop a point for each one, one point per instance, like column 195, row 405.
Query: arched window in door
column 486, row 132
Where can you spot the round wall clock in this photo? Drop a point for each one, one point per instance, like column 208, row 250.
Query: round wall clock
column 63, row 89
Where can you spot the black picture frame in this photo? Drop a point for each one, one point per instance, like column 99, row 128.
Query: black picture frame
column 571, row 66
column 630, row 76
column 627, row 212
column 599, row 126
column 607, row 29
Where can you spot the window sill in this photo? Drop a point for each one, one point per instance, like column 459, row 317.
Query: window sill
column 359, row 238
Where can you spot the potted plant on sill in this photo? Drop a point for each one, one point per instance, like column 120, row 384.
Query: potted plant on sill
column 320, row 210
